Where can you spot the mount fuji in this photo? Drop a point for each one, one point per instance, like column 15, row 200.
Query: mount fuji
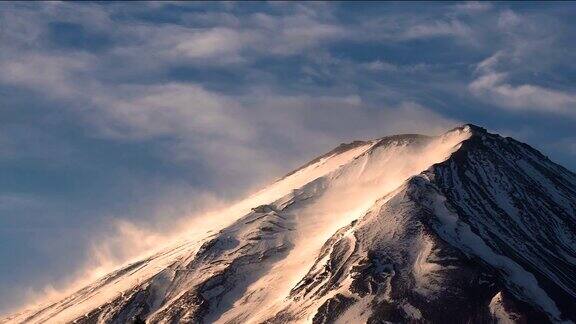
column 464, row 227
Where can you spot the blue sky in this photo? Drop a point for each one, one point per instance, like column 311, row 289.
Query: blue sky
column 140, row 113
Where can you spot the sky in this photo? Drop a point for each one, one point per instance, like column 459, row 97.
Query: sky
column 119, row 119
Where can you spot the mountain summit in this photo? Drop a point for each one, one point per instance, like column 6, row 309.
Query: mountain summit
column 465, row 227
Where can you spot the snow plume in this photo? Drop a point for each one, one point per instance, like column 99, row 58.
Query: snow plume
column 121, row 241
column 334, row 200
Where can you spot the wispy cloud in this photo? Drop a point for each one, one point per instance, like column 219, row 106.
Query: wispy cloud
column 437, row 29
column 494, row 86
column 473, row 7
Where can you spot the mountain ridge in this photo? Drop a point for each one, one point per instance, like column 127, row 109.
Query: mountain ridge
column 528, row 160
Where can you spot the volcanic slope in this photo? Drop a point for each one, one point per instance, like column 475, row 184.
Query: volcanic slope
column 465, row 227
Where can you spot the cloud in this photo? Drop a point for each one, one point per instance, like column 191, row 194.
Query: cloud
column 203, row 125
column 515, row 77
column 493, row 86
column 179, row 109
column 295, row 33
column 437, row 29
column 384, row 66
column 508, row 19
column 216, row 41
column 472, row 7
column 52, row 74
column 224, row 38
column 402, row 27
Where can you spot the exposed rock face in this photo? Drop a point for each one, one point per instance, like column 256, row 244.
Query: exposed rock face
column 467, row 227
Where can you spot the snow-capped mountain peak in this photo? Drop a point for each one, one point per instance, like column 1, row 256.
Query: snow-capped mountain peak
column 467, row 226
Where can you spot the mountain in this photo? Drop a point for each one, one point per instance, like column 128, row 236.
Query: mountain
column 465, row 227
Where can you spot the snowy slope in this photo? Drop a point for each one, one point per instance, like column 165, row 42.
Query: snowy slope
column 115, row 284
column 464, row 227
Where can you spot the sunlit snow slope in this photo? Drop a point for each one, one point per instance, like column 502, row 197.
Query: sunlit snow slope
column 466, row 227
